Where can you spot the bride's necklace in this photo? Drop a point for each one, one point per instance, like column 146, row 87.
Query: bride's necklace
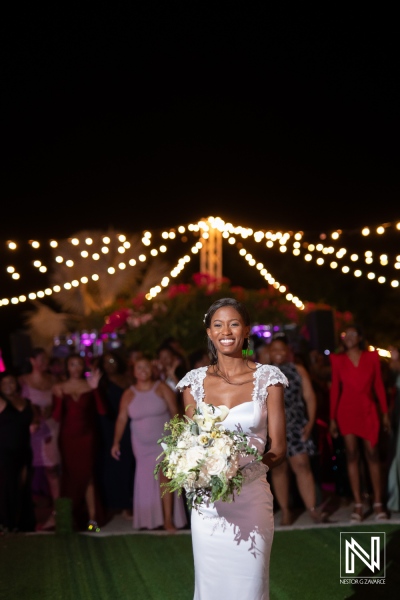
column 218, row 373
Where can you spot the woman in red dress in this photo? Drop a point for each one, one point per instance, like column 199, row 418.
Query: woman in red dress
column 356, row 390
column 76, row 405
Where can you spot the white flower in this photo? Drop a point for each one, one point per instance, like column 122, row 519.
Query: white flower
column 194, row 455
column 209, row 415
column 215, row 413
column 204, row 439
column 215, row 465
column 204, row 457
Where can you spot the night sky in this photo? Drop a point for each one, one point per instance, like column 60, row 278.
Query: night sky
column 152, row 115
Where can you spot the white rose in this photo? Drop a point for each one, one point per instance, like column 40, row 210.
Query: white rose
column 182, row 465
column 215, row 465
column 194, row 455
column 221, row 447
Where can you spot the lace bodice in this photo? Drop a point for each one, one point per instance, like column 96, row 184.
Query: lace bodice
column 264, row 376
column 250, row 417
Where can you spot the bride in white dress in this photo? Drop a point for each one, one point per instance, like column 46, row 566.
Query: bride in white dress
column 232, row 540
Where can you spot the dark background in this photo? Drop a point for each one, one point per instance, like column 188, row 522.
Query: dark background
column 151, row 115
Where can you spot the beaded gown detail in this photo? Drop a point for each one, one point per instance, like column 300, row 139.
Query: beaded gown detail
column 232, row 541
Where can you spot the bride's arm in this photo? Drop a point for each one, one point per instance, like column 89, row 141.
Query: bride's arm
column 188, row 402
column 276, row 427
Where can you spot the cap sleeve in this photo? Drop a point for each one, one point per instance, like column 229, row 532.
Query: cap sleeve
column 265, row 376
column 194, row 380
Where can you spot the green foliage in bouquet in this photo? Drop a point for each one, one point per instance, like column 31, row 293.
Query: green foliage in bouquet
column 201, row 457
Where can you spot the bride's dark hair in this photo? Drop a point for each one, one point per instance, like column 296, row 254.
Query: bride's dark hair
column 239, row 307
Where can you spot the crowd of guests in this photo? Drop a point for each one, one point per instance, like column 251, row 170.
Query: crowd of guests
column 87, row 429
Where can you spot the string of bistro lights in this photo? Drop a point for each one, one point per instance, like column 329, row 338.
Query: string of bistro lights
column 325, row 251
column 321, row 253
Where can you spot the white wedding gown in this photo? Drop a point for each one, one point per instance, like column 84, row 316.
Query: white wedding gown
column 232, row 541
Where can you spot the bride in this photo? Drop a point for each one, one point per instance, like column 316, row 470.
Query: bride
column 232, row 541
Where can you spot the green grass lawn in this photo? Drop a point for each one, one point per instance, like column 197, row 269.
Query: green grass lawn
column 305, row 565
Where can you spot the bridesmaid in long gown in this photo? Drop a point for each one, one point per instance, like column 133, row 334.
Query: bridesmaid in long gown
column 37, row 387
column 149, row 405
column 232, row 541
column 76, row 405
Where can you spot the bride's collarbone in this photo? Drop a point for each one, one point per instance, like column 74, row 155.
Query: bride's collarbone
column 229, row 395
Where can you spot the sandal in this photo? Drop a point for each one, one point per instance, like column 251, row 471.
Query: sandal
column 357, row 515
column 380, row 515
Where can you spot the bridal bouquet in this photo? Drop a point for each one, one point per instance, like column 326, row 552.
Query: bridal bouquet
column 202, row 457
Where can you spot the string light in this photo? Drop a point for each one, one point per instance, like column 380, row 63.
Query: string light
column 273, row 239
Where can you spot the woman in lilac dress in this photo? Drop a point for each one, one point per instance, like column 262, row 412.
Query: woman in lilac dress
column 37, row 387
column 149, row 405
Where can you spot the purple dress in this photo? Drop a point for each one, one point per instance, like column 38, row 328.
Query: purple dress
column 44, row 440
column 148, row 413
